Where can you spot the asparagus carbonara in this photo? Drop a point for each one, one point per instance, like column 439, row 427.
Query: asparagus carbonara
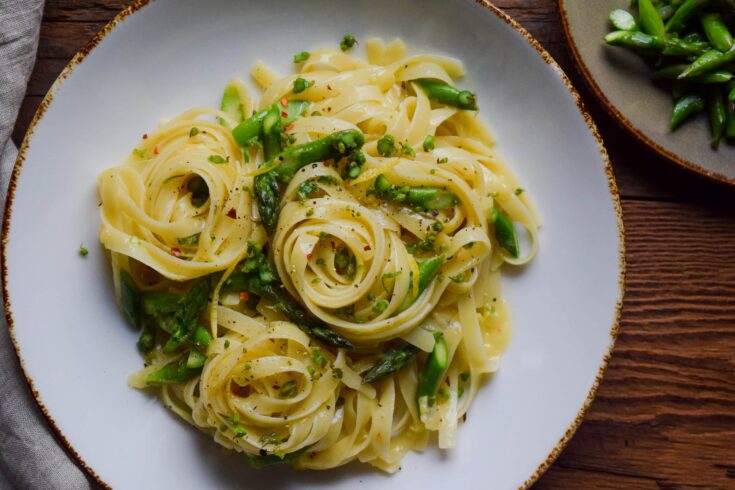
column 315, row 272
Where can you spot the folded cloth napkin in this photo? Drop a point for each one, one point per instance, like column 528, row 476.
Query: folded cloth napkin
column 30, row 457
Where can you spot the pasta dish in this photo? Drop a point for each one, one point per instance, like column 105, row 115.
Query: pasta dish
column 315, row 272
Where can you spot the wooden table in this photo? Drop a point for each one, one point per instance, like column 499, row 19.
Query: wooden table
column 664, row 417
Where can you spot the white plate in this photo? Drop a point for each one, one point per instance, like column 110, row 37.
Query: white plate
column 170, row 55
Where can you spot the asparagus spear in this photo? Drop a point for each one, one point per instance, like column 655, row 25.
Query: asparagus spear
column 428, row 270
column 686, row 107
column 684, row 13
column 504, row 232
column 417, row 197
column 623, row 20
column 650, row 19
column 433, row 371
column 708, row 62
column 390, row 362
column 447, row 94
column 717, row 115
column 272, row 130
column 646, row 43
column 716, row 30
column 130, row 298
column 289, row 161
column 251, row 128
column 232, row 103
column 179, row 371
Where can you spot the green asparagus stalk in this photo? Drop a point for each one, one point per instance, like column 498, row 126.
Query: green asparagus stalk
column 650, row 19
column 175, row 372
column 684, row 108
column 272, row 130
column 673, row 72
column 130, row 298
column 623, row 20
column 251, row 129
column 429, row 198
column 447, row 94
column 716, row 30
column 709, row 62
column 686, row 11
column 390, row 362
column 505, row 233
column 232, row 104
column 646, row 43
column 433, row 371
column 717, row 115
column 289, row 161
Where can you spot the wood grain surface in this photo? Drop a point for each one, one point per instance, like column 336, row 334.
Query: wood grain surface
column 664, row 416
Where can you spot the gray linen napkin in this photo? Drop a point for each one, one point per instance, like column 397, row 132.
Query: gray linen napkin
column 30, row 457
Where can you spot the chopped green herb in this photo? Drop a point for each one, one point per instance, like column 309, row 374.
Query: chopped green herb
column 320, row 261
column 407, row 150
column 338, row 373
column 460, row 391
column 193, row 132
column 301, row 57
column 519, row 191
column 83, row 251
column 437, row 226
column 316, row 280
column 139, row 152
column 348, row 41
column 443, row 160
column 340, row 401
column 429, row 143
column 464, row 375
column 386, row 145
column 227, row 343
column 273, row 438
column 288, row 390
column 299, row 85
column 190, row 240
column 316, row 113
column 218, row 159
column 461, row 277
column 345, row 263
column 310, row 212
column 380, row 306
column 318, row 358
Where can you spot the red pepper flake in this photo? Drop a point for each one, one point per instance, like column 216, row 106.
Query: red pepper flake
column 366, row 248
column 145, row 136
column 244, row 296
column 310, row 256
column 289, row 127
column 284, row 101
column 326, row 163
column 176, row 252
column 155, row 150
column 232, row 213
column 284, row 114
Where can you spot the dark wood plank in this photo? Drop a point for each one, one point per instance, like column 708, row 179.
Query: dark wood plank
column 666, row 407
column 664, row 416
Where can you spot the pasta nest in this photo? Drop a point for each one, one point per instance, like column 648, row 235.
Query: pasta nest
column 179, row 203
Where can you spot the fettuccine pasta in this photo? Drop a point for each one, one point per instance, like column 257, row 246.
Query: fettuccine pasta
column 316, row 272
